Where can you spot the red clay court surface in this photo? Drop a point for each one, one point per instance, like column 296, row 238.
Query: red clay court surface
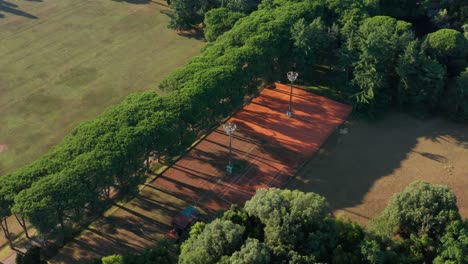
column 268, row 147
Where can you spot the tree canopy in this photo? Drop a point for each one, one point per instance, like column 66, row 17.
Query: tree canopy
column 420, row 224
column 449, row 47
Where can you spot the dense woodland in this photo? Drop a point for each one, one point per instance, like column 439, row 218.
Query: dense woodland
column 408, row 55
column 419, row 225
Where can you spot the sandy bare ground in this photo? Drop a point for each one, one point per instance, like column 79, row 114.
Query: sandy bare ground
column 359, row 171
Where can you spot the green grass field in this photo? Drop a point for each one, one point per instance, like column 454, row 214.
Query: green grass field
column 63, row 62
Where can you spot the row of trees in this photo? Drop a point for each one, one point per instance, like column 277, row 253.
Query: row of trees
column 419, row 225
column 112, row 152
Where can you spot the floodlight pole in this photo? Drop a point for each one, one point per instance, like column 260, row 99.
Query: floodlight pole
column 292, row 76
column 230, row 149
column 230, row 128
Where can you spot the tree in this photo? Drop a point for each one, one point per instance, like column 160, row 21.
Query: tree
column 404, row 9
column 243, row 6
column 253, row 251
column 449, row 47
column 454, row 248
column 349, row 238
column 380, row 40
column 294, row 219
column 376, row 249
column 187, row 13
column 219, row 20
column 113, row 259
column 419, row 216
column 342, row 11
column 278, row 226
column 310, row 41
column 4, row 214
column 448, row 14
column 422, row 81
column 456, row 101
column 421, row 207
column 218, row 238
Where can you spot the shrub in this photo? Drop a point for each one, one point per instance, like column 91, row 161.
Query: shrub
column 113, row 259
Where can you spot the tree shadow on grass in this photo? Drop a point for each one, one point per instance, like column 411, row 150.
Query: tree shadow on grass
column 137, row 2
column 10, row 8
column 193, row 33
column 140, row 2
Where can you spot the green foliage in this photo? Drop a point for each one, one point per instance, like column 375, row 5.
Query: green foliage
column 377, row 45
column 238, row 215
column 422, row 81
column 348, row 241
column 253, row 251
column 454, row 248
column 219, row 20
column 456, row 101
column 404, row 9
column 443, row 14
column 375, row 249
column 187, row 13
column 161, row 253
column 449, row 47
column 296, row 228
column 113, row 259
column 419, row 216
column 293, row 218
column 371, row 252
column 420, row 208
column 345, row 11
column 217, row 239
column 448, row 14
column 243, row 6
column 311, row 42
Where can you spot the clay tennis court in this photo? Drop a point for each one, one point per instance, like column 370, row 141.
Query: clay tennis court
column 268, row 147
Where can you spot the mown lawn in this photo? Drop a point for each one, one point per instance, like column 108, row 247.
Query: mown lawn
column 63, row 62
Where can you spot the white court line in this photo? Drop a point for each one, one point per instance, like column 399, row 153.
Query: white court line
column 214, row 185
column 249, row 151
column 211, row 188
column 279, row 173
column 238, row 178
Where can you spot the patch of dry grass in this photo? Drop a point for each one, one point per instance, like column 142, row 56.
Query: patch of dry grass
column 63, row 62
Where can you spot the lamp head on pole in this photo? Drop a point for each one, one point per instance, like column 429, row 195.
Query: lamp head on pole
column 292, row 76
column 229, row 128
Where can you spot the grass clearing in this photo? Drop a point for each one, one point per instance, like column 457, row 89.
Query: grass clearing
column 359, row 171
column 63, row 62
